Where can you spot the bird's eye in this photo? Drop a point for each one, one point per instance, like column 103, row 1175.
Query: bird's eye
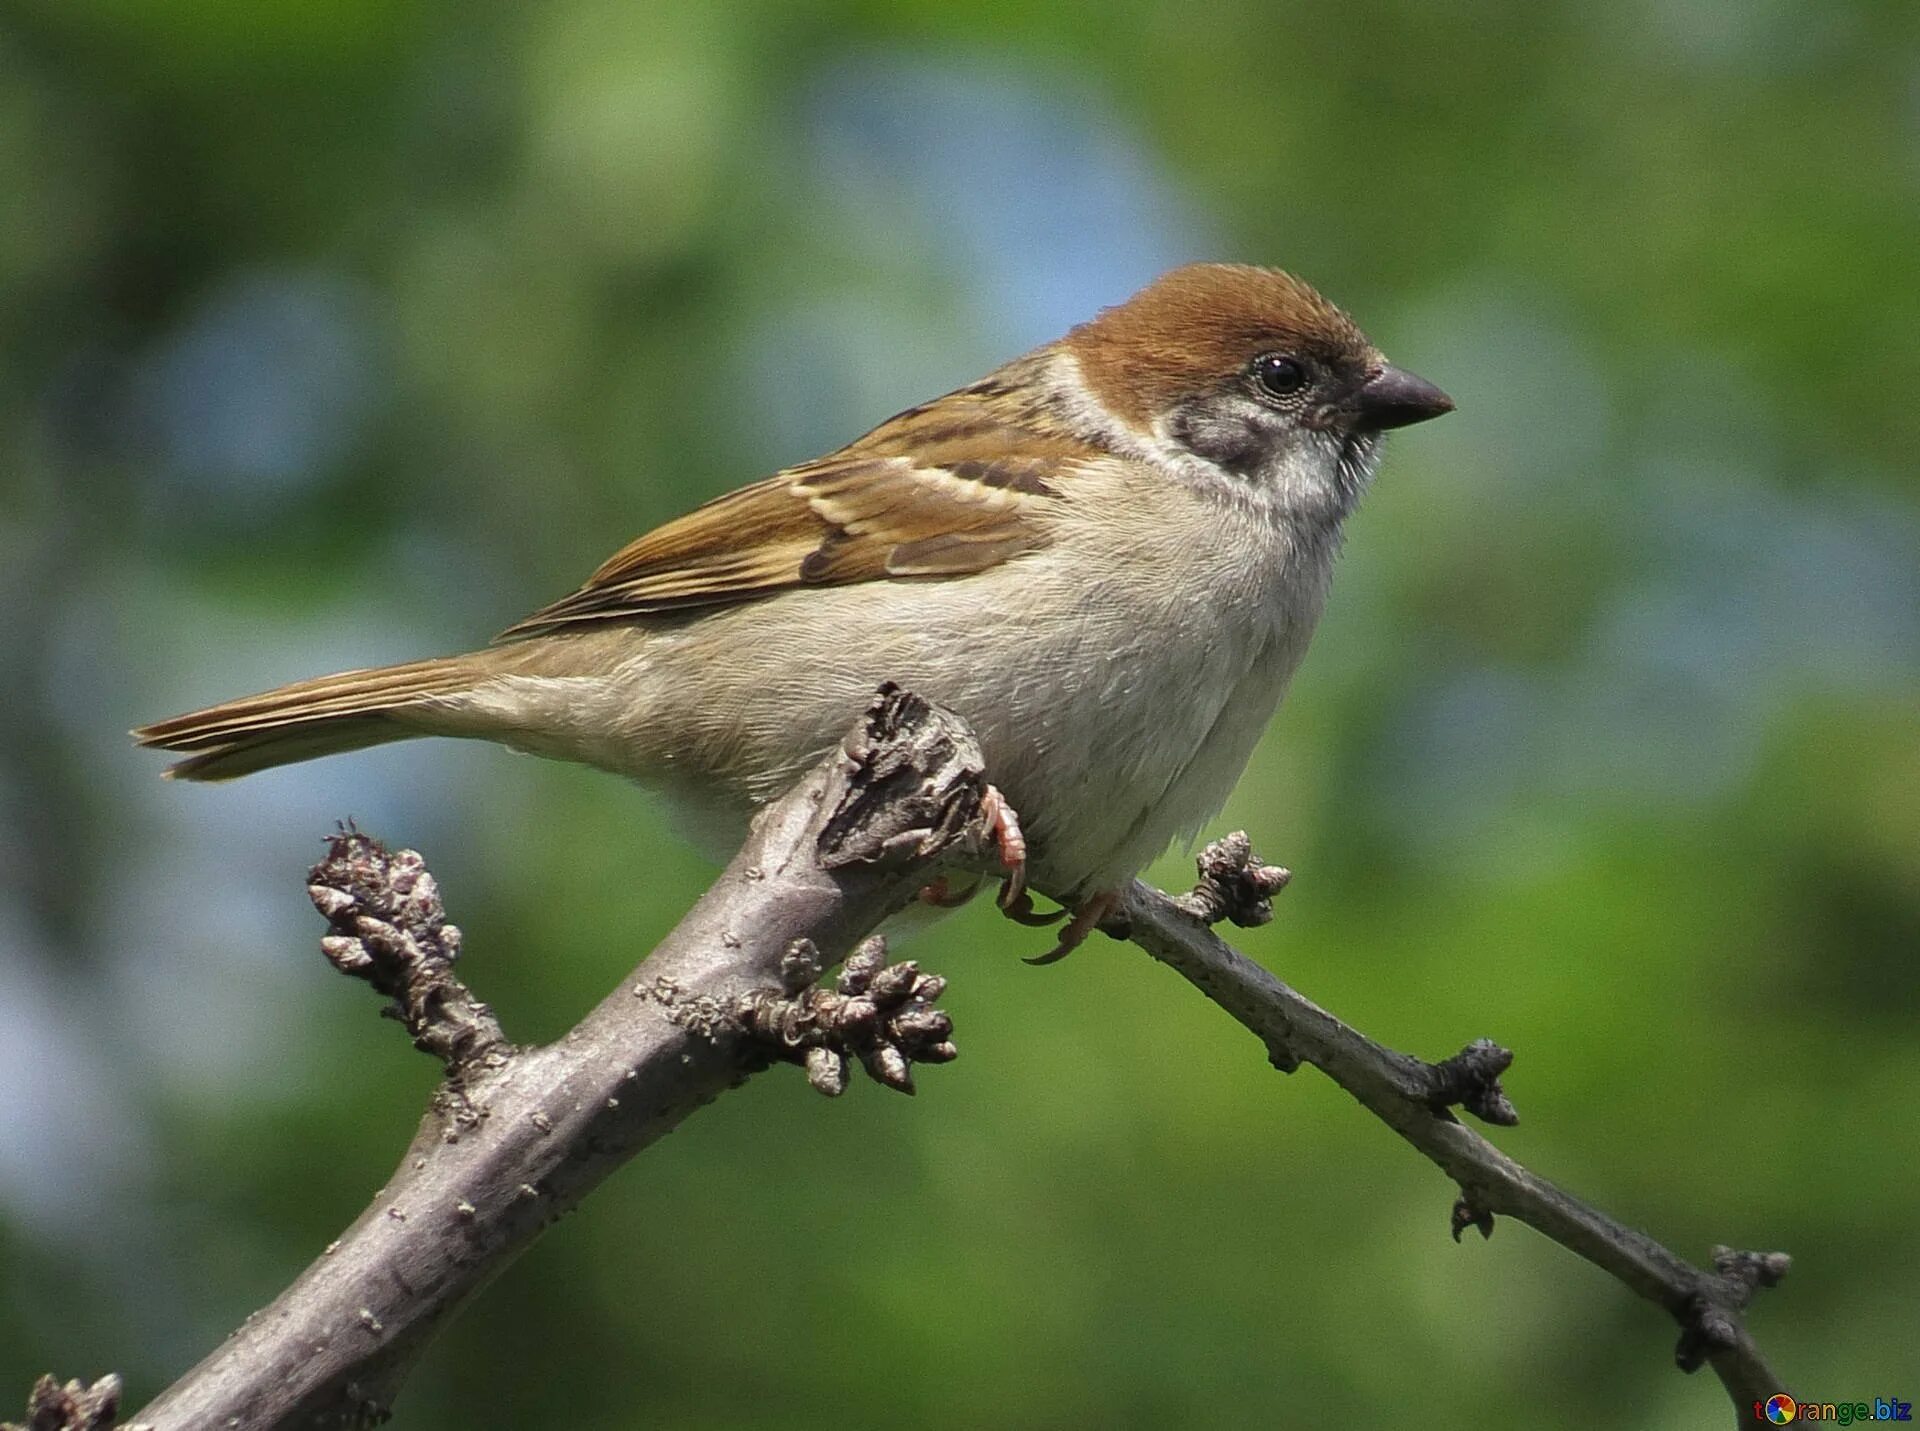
column 1277, row 375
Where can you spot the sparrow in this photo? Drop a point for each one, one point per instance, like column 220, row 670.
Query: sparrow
column 1108, row 555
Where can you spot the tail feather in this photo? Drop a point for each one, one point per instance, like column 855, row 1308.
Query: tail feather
column 349, row 711
column 287, row 747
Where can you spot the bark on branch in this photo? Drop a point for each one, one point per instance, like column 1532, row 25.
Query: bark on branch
column 517, row 1136
column 1414, row 1098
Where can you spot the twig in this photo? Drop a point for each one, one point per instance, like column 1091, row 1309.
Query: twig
column 1235, row 884
column 389, row 928
column 1414, row 1098
column 517, row 1136
column 878, row 1013
column 74, row 1406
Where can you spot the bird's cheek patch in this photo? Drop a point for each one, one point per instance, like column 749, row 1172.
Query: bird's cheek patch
column 1223, row 431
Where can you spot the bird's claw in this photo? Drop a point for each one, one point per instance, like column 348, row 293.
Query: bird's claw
column 1091, row 914
column 1021, row 911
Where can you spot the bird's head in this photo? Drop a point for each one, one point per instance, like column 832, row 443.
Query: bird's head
column 1251, row 372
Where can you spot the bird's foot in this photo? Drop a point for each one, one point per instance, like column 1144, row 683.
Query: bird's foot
column 1098, row 911
column 1003, row 828
column 1016, row 900
column 1004, row 825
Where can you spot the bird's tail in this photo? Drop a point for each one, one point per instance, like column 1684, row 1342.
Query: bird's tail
column 349, row 711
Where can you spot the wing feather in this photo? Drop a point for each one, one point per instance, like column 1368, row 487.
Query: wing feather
column 944, row 490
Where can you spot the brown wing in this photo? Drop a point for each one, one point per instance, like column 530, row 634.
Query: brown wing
column 970, row 495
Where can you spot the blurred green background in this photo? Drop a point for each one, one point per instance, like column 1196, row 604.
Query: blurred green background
column 337, row 331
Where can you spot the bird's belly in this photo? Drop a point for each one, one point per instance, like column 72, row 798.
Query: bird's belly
column 1111, row 730
column 1123, row 733
column 1101, row 787
column 1142, row 774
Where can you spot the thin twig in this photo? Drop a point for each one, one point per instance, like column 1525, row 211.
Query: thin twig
column 1414, row 1098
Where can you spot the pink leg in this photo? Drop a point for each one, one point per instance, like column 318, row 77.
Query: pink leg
column 1012, row 843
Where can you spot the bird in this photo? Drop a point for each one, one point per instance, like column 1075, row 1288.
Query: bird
column 1108, row 555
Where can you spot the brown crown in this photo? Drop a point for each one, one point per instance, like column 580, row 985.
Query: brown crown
column 1191, row 330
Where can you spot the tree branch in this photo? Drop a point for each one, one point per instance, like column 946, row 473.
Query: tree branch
column 1414, row 1098
column 516, row 1137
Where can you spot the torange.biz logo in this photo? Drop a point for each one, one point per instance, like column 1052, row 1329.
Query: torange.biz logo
column 1783, row 1410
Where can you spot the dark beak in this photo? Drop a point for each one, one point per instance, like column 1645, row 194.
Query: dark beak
column 1393, row 397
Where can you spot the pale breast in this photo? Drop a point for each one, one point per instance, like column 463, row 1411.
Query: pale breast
column 1206, row 614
